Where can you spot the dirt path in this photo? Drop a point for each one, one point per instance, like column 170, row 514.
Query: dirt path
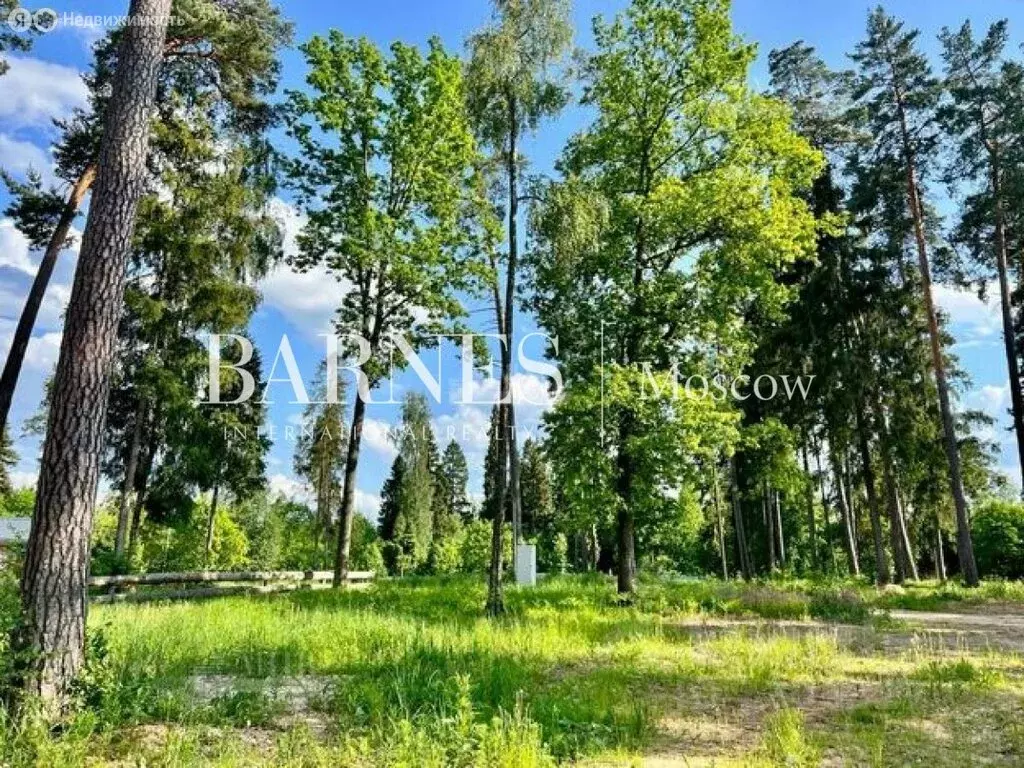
column 976, row 630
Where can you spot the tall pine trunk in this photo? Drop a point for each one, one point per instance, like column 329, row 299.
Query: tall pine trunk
column 53, row 587
column 27, row 321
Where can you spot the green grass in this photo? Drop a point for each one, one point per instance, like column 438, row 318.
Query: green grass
column 409, row 673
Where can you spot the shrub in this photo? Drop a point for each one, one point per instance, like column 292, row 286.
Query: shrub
column 998, row 529
column 476, row 547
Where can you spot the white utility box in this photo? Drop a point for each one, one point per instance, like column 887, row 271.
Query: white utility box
column 526, row 565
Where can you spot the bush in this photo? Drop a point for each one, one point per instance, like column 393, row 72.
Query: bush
column 476, row 547
column 446, row 554
column 998, row 529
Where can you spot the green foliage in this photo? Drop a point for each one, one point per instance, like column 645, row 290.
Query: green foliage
column 18, row 503
column 998, row 530
column 476, row 547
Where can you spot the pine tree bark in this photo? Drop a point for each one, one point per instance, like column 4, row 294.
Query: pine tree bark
column 27, row 321
column 53, row 588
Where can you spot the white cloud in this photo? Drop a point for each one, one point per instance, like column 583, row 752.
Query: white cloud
column 14, row 248
column 23, row 479
column 289, row 487
column 377, row 436
column 42, row 352
column 51, row 311
column 19, row 157
column 971, row 318
column 992, row 399
column 37, row 91
column 367, row 503
column 307, row 300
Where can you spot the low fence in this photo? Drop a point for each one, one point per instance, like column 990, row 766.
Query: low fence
column 211, row 584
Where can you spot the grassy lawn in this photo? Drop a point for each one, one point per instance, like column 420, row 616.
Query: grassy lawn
column 408, row 674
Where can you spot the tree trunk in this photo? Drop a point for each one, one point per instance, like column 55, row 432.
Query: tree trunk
column 965, row 547
column 768, row 518
column 131, row 467
column 140, row 499
column 211, row 522
column 897, row 526
column 809, row 502
column 777, row 506
column 510, row 303
column 495, row 591
column 27, row 321
column 625, row 523
column 719, row 522
column 348, row 496
column 53, row 588
column 737, row 512
column 824, row 509
column 881, row 560
column 846, row 512
column 940, row 556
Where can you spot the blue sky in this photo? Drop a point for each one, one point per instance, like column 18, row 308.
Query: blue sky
column 44, row 84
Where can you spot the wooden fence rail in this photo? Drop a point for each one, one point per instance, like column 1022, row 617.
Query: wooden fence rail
column 227, row 583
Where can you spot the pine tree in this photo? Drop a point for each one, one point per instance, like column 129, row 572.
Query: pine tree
column 979, row 118
column 51, row 634
column 898, row 96
column 453, row 482
column 414, row 522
